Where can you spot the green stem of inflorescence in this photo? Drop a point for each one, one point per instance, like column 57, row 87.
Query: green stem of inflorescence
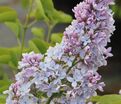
column 69, row 69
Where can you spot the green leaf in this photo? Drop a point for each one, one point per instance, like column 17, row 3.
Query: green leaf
column 4, row 51
column 49, row 5
column 39, row 14
column 5, row 9
column 38, row 45
column 4, row 59
column 25, row 3
column 56, row 37
column 62, row 17
column 42, row 45
column 49, row 10
column 95, row 98
column 10, row 56
column 13, row 63
column 2, row 99
column 14, row 27
column 33, row 13
column 39, row 32
column 3, row 88
column 54, row 15
column 33, row 47
column 107, row 99
column 1, row 72
column 7, row 51
column 4, row 83
column 117, row 10
column 7, row 14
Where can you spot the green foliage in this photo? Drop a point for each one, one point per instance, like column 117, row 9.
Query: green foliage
column 5, row 9
column 4, row 59
column 107, row 99
column 2, row 99
column 4, row 83
column 33, row 47
column 54, row 15
column 37, row 10
column 9, row 56
column 25, row 3
column 38, row 45
column 56, row 37
column 38, row 32
column 117, row 11
column 14, row 27
column 39, row 14
column 61, row 17
column 13, row 62
column 43, row 10
column 7, row 14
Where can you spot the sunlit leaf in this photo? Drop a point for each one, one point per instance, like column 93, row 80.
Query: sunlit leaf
column 4, row 51
column 7, row 14
column 5, row 87
column 107, row 99
column 39, row 13
column 56, row 37
column 25, row 3
column 39, row 32
column 33, row 47
column 13, row 63
column 54, row 15
column 4, row 59
column 7, row 51
column 2, row 99
column 10, row 56
column 62, row 17
column 5, row 9
column 14, row 27
column 39, row 45
column 4, row 83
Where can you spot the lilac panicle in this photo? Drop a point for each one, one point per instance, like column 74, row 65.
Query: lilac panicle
column 70, row 68
column 89, row 34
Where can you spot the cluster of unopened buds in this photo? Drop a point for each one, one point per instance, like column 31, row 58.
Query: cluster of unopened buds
column 67, row 73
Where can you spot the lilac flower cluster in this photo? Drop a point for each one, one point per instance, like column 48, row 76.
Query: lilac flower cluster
column 67, row 73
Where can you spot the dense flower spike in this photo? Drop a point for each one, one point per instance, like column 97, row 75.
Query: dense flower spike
column 67, row 73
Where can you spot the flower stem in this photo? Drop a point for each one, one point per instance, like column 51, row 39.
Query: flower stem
column 73, row 64
column 50, row 98
column 69, row 69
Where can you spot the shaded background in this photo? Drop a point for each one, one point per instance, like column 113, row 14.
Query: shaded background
column 111, row 74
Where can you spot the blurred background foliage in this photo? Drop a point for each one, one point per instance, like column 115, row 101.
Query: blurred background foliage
column 43, row 36
column 36, row 11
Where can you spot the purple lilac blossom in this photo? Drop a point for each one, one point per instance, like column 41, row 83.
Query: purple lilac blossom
column 70, row 68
